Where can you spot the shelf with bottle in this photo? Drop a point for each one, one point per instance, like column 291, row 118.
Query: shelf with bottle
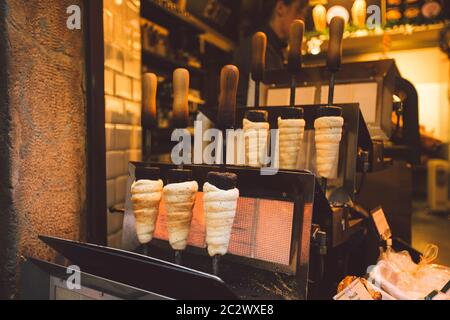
column 170, row 15
column 367, row 40
column 157, row 61
column 397, row 21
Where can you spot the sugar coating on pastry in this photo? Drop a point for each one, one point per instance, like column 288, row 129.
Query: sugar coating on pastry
column 291, row 133
column 145, row 198
column 328, row 135
column 220, row 211
column 256, row 139
column 180, row 200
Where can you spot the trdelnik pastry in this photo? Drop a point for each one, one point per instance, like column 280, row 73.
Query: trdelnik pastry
column 291, row 130
column 146, row 196
column 179, row 197
column 328, row 132
column 256, row 132
column 220, row 197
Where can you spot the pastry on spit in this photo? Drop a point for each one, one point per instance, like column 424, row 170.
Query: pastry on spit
column 220, row 197
column 179, row 197
column 328, row 133
column 256, row 132
column 146, row 196
column 291, row 130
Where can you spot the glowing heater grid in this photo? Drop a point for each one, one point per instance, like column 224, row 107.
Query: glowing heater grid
column 262, row 229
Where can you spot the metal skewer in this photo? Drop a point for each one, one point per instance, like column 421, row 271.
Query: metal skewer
column 334, row 58
column 226, row 118
column 178, row 257
column 215, row 264
column 145, row 249
column 181, row 80
column 147, row 173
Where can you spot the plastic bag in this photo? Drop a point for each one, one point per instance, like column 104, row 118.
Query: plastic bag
column 400, row 277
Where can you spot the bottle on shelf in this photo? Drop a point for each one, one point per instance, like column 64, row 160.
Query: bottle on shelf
column 411, row 12
column 431, row 11
column 394, row 12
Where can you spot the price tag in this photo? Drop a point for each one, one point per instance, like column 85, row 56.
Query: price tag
column 355, row 291
column 379, row 218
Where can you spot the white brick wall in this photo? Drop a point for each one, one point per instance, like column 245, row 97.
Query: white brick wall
column 122, row 102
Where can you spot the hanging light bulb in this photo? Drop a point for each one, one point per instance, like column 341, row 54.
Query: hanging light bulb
column 339, row 11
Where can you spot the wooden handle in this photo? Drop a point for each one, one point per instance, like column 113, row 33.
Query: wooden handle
column 335, row 44
column 295, row 46
column 259, row 47
column 229, row 80
column 149, row 87
column 180, row 98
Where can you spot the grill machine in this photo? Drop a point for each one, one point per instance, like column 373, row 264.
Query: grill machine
column 269, row 253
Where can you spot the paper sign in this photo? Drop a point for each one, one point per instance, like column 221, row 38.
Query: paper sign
column 379, row 218
column 355, row 291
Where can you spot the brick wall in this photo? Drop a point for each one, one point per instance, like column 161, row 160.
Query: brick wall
column 122, row 102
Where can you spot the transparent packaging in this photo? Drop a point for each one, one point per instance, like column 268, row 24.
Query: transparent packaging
column 399, row 276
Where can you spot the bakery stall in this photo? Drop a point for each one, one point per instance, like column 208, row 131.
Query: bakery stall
column 305, row 192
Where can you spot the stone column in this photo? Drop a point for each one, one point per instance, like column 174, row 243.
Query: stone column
column 42, row 132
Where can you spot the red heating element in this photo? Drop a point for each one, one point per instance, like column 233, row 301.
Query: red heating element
column 262, row 229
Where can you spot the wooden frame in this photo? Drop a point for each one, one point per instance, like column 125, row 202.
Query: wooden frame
column 96, row 220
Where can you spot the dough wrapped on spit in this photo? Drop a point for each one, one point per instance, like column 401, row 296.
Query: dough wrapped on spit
column 328, row 133
column 256, row 132
column 179, row 198
column 220, row 197
column 145, row 197
column 291, row 129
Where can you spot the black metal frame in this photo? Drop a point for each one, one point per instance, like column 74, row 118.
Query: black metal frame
column 96, row 229
column 383, row 72
column 39, row 277
column 134, row 270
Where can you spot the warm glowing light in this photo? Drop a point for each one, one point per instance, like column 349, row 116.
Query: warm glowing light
column 339, row 11
column 314, row 46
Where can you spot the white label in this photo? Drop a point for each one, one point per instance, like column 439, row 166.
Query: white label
column 381, row 224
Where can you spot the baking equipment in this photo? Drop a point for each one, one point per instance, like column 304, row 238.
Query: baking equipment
column 332, row 226
column 327, row 230
column 270, row 243
column 229, row 79
column 180, row 118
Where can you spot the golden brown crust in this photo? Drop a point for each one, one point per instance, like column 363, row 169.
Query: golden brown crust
column 350, row 279
column 345, row 283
